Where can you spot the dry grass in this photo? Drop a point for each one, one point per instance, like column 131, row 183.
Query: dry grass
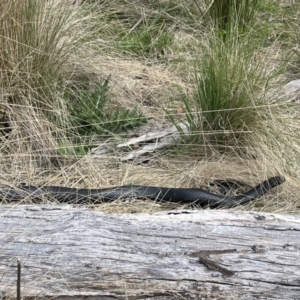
column 38, row 117
column 142, row 81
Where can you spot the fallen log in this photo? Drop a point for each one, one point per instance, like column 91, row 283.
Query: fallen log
column 69, row 252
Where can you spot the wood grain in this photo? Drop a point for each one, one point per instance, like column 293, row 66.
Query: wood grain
column 71, row 252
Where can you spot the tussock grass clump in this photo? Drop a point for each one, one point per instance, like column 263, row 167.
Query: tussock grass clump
column 230, row 102
column 36, row 39
column 228, row 15
column 293, row 44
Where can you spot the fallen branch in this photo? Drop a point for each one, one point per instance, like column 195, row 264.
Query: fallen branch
column 73, row 252
column 146, row 143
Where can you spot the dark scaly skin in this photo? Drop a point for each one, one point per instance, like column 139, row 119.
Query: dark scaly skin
column 176, row 195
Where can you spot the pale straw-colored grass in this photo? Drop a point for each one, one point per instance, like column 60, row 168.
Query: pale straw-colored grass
column 136, row 82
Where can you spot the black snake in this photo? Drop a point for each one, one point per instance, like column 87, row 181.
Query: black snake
column 194, row 196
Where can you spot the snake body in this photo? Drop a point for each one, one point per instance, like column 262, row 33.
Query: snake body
column 194, row 196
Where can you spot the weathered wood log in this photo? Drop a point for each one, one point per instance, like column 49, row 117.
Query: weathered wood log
column 74, row 253
column 145, row 144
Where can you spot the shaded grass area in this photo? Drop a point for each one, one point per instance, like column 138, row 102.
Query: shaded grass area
column 76, row 76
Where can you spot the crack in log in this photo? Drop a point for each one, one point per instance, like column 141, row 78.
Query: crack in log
column 204, row 258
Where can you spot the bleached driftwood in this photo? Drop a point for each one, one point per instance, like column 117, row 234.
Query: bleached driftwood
column 145, row 143
column 72, row 252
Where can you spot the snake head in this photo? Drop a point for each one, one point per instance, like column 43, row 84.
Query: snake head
column 276, row 180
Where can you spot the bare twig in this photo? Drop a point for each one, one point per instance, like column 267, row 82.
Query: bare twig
column 19, row 281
